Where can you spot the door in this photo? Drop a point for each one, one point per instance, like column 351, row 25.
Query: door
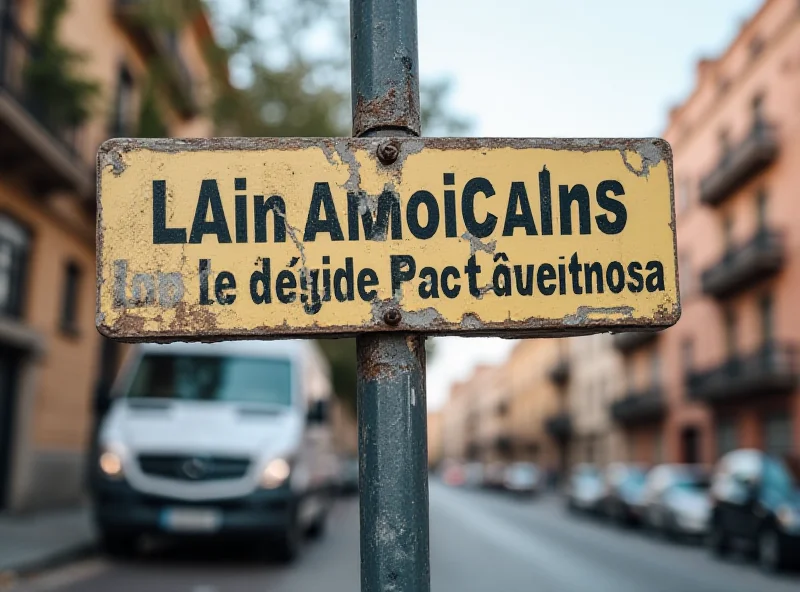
column 690, row 445
column 9, row 368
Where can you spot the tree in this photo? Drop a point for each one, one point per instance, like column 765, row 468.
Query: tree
column 289, row 63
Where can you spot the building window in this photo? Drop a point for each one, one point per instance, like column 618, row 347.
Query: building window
column 655, row 370
column 758, row 108
column 777, row 434
column 687, row 355
column 123, row 117
column 761, row 209
column 14, row 242
column 727, row 231
column 767, row 318
column 684, row 194
column 730, row 332
column 756, row 47
column 727, row 438
column 686, row 275
column 69, row 304
column 724, row 146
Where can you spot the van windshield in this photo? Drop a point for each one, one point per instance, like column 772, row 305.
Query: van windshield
column 213, row 378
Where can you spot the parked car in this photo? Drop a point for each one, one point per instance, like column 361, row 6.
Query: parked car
column 494, row 474
column 756, row 503
column 676, row 501
column 453, row 473
column 523, row 478
column 473, row 474
column 624, row 492
column 348, row 475
column 226, row 440
column 584, row 490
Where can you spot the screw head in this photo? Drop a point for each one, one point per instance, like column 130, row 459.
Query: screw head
column 392, row 317
column 388, row 152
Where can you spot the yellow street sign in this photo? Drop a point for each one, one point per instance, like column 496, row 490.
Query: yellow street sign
column 238, row 238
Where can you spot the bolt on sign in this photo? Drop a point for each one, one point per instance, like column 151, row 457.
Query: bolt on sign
column 236, row 238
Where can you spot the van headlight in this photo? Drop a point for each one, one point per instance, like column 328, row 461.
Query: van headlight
column 788, row 518
column 110, row 464
column 275, row 473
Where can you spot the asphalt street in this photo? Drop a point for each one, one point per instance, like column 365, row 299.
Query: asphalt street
column 480, row 541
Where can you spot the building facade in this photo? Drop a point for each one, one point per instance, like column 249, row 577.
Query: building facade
column 726, row 375
column 147, row 79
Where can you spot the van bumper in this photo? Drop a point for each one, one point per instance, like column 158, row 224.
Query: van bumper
column 121, row 510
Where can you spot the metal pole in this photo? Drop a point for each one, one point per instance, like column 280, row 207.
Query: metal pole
column 392, row 410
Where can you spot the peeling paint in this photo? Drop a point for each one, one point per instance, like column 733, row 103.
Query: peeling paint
column 476, row 244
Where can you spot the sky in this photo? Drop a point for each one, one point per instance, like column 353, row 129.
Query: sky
column 563, row 68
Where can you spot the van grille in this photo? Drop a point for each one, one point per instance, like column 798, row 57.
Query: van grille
column 193, row 468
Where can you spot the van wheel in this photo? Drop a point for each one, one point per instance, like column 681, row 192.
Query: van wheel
column 288, row 543
column 717, row 540
column 118, row 546
column 317, row 528
column 771, row 556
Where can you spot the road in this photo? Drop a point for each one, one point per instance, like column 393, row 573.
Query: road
column 480, row 542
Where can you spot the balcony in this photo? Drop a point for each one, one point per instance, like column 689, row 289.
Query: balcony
column 140, row 20
column 33, row 145
column 771, row 370
column 559, row 426
column 559, row 371
column 639, row 407
column 742, row 266
column 633, row 340
column 755, row 152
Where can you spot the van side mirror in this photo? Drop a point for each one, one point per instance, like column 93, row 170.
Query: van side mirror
column 102, row 401
column 318, row 412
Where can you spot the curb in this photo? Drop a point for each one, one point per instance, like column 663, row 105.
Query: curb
column 59, row 558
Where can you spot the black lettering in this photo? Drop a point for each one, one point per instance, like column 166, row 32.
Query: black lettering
column 448, row 290
column 524, row 288
column 546, row 273
column 412, row 215
column 615, row 277
column 475, row 228
column 518, row 197
column 612, row 205
column 312, row 303
column 344, row 275
column 277, row 206
column 241, row 218
column 403, row 269
column 566, row 197
column 472, row 269
column 545, row 202
column 574, row 270
column 501, row 272
column 260, row 290
column 321, row 199
column 366, row 279
column 596, row 269
column 205, row 272
column 450, row 229
column 224, row 282
column 655, row 280
column 634, row 271
column 286, row 281
column 161, row 234
column 209, row 197
column 377, row 227
column 429, row 286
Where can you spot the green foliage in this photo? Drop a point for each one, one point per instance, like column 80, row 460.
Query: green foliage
column 151, row 124
column 62, row 97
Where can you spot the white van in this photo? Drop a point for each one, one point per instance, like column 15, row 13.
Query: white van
column 223, row 439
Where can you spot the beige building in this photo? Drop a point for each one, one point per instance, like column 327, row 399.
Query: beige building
column 726, row 375
column 596, row 380
column 149, row 79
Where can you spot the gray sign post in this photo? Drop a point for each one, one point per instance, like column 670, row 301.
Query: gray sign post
column 392, row 420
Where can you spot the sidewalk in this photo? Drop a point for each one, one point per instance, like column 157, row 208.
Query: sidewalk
column 37, row 541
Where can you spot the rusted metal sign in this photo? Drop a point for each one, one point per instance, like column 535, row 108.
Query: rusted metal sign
column 227, row 238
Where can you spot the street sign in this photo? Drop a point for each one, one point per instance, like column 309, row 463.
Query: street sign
column 227, row 238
